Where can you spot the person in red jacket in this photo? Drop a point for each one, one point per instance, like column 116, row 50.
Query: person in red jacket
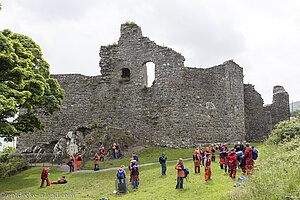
column 207, row 167
column 78, row 161
column 180, row 173
column 44, row 177
column 197, row 161
column 102, row 152
column 72, row 161
column 232, row 161
column 248, row 155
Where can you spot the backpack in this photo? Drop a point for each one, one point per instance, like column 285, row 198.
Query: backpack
column 117, row 147
column 195, row 157
column 79, row 158
column 136, row 157
column 135, row 171
column 203, row 160
column 121, row 174
column 186, row 172
column 255, row 154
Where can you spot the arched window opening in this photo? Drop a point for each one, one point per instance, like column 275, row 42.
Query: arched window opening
column 125, row 74
column 149, row 73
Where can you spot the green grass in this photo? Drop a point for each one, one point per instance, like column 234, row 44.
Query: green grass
column 152, row 184
column 147, row 155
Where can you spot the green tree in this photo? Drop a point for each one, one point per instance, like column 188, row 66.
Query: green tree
column 26, row 88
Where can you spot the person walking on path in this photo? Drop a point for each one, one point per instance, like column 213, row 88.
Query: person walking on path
column 232, row 160
column 180, row 173
column 162, row 161
column 248, row 155
column 96, row 159
column 78, row 161
column 207, row 167
column 197, row 161
column 44, row 177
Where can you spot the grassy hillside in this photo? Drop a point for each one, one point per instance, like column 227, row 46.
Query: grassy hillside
column 152, row 184
column 278, row 176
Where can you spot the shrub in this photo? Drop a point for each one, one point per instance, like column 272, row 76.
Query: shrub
column 285, row 131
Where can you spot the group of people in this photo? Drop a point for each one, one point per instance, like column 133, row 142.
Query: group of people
column 239, row 156
column 134, row 172
column 72, row 160
column 44, row 177
column 97, row 158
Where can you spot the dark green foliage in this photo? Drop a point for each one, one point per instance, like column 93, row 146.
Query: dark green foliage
column 25, row 85
column 285, row 131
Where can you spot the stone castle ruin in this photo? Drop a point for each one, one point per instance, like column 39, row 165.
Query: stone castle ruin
column 183, row 108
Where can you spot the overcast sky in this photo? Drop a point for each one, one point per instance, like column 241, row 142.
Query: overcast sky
column 263, row 37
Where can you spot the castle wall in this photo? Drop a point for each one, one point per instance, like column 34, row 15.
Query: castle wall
column 257, row 118
column 280, row 109
column 184, row 107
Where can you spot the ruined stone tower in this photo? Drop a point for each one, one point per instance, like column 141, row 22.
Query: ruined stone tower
column 184, row 107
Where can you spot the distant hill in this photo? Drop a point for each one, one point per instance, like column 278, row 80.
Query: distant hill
column 296, row 106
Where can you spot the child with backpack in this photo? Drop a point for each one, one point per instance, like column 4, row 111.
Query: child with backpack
column 197, row 161
column 44, row 177
column 102, row 152
column 96, row 159
column 78, row 161
column 134, row 173
column 162, row 161
column 207, row 163
column 180, row 173
column 121, row 174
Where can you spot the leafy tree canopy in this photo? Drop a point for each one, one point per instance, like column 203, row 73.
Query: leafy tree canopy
column 26, row 88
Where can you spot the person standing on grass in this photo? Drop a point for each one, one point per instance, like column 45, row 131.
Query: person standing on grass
column 207, row 167
column 121, row 174
column 134, row 173
column 162, row 161
column 248, row 155
column 72, row 163
column 96, row 159
column 197, row 161
column 78, row 161
column 44, row 177
column 102, row 152
column 213, row 153
column 180, row 173
column 232, row 160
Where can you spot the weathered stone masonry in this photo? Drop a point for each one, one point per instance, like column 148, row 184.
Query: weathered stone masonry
column 184, row 107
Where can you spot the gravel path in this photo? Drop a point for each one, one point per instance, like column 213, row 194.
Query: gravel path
column 66, row 168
